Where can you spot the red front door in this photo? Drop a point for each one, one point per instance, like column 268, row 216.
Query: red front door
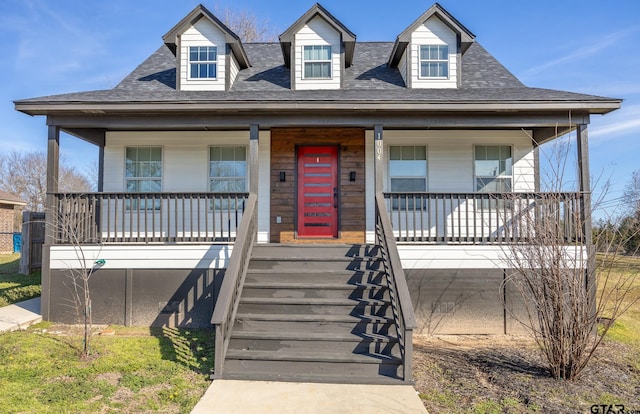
column 317, row 206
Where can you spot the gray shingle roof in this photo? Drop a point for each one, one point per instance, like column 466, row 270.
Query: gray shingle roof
column 369, row 79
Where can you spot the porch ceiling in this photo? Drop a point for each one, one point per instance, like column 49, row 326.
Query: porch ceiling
column 80, row 123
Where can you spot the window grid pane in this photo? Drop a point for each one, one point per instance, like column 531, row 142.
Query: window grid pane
column 408, row 168
column 493, row 168
column 143, row 172
column 317, row 62
column 434, row 61
column 203, row 62
column 228, row 169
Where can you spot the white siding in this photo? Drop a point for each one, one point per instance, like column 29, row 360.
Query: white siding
column 450, row 156
column 433, row 32
column 234, row 68
column 264, row 187
column 450, row 165
column 402, row 67
column 317, row 33
column 143, row 257
column 203, row 33
column 185, row 168
column 185, row 156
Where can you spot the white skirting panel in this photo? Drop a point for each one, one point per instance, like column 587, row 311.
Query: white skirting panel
column 465, row 256
column 142, row 256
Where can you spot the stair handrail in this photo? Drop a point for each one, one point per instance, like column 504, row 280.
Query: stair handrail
column 226, row 306
column 400, row 297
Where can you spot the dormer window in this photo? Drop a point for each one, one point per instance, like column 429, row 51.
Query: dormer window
column 434, row 61
column 317, row 62
column 203, row 62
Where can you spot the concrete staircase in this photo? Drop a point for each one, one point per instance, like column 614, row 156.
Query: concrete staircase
column 318, row 313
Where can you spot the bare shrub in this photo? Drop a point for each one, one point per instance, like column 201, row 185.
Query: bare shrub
column 567, row 306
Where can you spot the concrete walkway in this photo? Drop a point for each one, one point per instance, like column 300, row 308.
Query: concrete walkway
column 248, row 397
column 20, row 315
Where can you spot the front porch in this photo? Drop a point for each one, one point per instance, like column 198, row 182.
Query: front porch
column 214, row 218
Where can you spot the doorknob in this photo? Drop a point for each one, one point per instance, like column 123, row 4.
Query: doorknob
column 335, row 197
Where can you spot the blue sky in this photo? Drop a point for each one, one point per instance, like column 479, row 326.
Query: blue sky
column 589, row 46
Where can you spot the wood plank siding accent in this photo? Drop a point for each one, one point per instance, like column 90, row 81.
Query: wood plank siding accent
column 352, row 194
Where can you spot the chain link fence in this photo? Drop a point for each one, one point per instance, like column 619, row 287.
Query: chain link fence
column 9, row 263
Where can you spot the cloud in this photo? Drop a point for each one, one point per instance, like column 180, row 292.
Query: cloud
column 591, row 49
column 623, row 120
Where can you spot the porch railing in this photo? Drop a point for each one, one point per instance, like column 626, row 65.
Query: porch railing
column 399, row 291
column 483, row 218
column 228, row 300
column 102, row 218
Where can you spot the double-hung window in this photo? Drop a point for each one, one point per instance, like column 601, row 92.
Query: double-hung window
column 227, row 172
column 408, row 172
column 493, row 167
column 434, row 61
column 203, row 62
column 143, row 174
column 317, row 62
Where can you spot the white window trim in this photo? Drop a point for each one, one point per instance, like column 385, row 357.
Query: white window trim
column 329, row 61
column 216, row 62
column 388, row 166
column 246, row 178
column 448, row 61
column 475, row 176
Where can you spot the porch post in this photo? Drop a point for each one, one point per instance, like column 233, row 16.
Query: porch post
column 536, row 165
column 53, row 164
column 100, row 169
column 582, row 140
column 585, row 182
column 254, row 134
column 378, row 148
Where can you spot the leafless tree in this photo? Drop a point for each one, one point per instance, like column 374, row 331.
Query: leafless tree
column 67, row 227
column 564, row 303
column 248, row 26
column 25, row 175
column 632, row 193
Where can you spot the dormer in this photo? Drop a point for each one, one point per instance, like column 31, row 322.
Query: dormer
column 428, row 53
column 208, row 54
column 317, row 48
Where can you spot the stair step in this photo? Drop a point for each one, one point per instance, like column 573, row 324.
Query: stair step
column 315, row 301
column 312, row 356
column 314, row 290
column 343, row 343
column 314, row 264
column 310, row 285
column 333, row 277
column 313, row 336
column 315, row 250
column 351, row 318
column 312, row 371
column 342, row 378
column 324, row 306
column 320, row 324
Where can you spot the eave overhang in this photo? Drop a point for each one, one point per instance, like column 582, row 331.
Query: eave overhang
column 201, row 12
column 464, row 35
column 347, row 36
column 102, row 108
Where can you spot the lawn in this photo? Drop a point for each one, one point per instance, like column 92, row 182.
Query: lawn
column 627, row 327
column 15, row 287
column 132, row 370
